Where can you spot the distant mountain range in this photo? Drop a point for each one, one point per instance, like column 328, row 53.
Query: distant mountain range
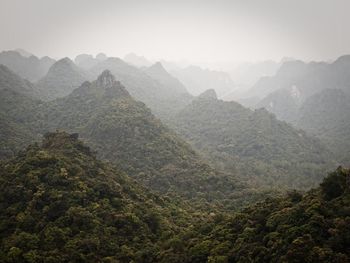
column 314, row 97
column 30, row 68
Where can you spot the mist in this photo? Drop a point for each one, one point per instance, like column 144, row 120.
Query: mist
column 174, row 131
column 195, row 31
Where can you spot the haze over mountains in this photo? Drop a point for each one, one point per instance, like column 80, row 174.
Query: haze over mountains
column 164, row 160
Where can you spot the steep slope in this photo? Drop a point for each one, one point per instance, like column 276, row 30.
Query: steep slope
column 17, row 103
column 296, row 228
column 126, row 133
column 61, row 79
column 284, row 103
column 30, row 68
column 58, row 203
column 163, row 100
column 265, row 151
column 297, row 81
column 158, row 72
column 327, row 116
column 11, row 81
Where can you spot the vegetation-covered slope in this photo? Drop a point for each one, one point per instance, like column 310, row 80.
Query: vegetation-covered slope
column 158, row 95
column 264, row 150
column 30, row 68
column 61, row 79
column 17, row 104
column 11, row 81
column 58, row 203
column 314, row 227
column 125, row 132
column 327, row 116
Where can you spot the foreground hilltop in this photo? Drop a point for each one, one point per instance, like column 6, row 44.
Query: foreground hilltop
column 314, row 227
column 59, row 203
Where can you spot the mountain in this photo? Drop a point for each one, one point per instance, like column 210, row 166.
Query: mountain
column 59, row 203
column 86, row 61
column 197, row 80
column 11, row 81
column 313, row 227
column 263, row 150
column 61, row 79
column 315, row 99
column 17, row 103
column 137, row 61
column 327, row 116
column 24, row 53
column 158, row 72
column 30, row 68
column 125, row 132
column 163, row 100
column 296, row 81
column 247, row 74
column 284, row 103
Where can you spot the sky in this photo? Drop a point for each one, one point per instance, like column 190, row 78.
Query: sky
column 191, row 30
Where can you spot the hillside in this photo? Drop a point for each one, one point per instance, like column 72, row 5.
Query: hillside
column 313, row 227
column 61, row 79
column 158, row 72
column 298, row 81
column 125, row 132
column 156, row 93
column 265, row 151
column 11, row 81
column 17, row 104
column 327, row 116
column 58, row 203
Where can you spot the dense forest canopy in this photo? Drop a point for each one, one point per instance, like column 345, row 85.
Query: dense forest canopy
column 105, row 161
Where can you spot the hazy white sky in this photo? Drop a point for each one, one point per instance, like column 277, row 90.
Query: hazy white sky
column 213, row 30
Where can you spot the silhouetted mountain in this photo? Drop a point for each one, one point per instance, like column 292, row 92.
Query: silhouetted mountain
column 31, row 68
column 85, row 61
column 157, row 72
column 62, row 78
column 11, row 81
column 265, row 151
column 23, row 52
column 197, row 80
column 297, row 81
column 136, row 60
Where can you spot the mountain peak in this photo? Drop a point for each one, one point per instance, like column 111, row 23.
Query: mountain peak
column 65, row 60
column 106, row 79
column 208, row 94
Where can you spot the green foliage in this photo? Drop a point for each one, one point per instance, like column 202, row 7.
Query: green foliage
column 314, row 228
column 254, row 144
column 58, row 203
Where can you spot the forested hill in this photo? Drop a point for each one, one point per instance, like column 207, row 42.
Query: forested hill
column 17, row 104
column 125, row 132
column 314, row 227
column 265, row 151
column 61, row 79
column 58, row 203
